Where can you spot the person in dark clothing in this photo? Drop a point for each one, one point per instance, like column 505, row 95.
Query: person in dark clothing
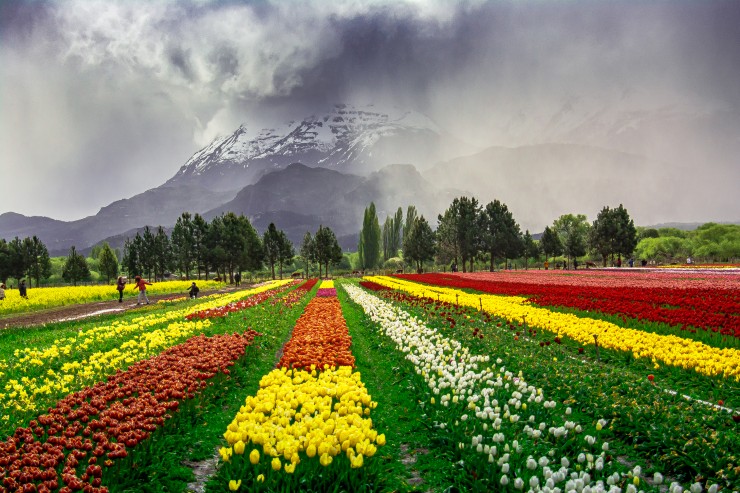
column 238, row 278
column 193, row 290
column 22, row 289
column 120, row 286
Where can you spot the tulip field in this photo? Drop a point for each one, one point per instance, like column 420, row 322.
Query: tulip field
column 541, row 381
column 45, row 298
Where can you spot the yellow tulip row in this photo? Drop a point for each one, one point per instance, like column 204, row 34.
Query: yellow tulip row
column 326, row 284
column 666, row 349
column 37, row 357
column 21, row 394
column 42, row 298
column 295, row 412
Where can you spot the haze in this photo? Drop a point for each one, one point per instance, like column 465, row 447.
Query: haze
column 100, row 100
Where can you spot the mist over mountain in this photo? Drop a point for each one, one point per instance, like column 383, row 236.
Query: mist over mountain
column 346, row 138
column 326, row 169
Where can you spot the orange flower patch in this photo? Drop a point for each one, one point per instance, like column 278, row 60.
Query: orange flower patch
column 320, row 337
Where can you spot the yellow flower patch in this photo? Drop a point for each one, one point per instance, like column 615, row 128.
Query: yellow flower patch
column 668, row 349
column 298, row 414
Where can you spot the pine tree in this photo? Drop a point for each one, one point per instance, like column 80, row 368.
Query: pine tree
column 108, row 262
column 75, row 267
column 419, row 245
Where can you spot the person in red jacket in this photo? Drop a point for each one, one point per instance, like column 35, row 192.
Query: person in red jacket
column 141, row 284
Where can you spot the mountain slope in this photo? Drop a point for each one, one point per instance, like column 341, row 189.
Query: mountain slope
column 299, row 198
column 346, row 138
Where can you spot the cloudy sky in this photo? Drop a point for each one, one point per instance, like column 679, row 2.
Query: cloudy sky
column 100, row 100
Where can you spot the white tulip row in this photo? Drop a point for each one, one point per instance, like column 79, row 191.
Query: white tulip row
column 495, row 401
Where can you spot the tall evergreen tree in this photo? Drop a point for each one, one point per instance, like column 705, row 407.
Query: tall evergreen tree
column 162, row 257
column 37, row 259
column 500, row 234
column 271, row 246
column 130, row 261
column 200, row 247
column 419, row 244
column 410, row 218
column 307, row 252
column 461, row 223
column 550, row 243
column 531, row 248
column 370, row 238
column 75, row 267
column 447, row 247
column 182, row 240
column 147, row 252
column 18, row 258
column 4, row 260
column 327, row 248
column 108, row 262
column 286, row 252
column 626, row 237
column 603, row 234
column 387, row 238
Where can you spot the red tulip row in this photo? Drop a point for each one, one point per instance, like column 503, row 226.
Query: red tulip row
column 717, row 310
column 614, row 278
column 237, row 306
column 295, row 296
column 320, row 337
column 68, row 446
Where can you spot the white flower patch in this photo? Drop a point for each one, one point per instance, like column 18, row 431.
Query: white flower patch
column 495, row 408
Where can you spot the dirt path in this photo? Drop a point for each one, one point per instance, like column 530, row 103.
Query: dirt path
column 77, row 312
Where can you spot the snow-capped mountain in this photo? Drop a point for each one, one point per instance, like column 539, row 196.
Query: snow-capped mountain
column 349, row 139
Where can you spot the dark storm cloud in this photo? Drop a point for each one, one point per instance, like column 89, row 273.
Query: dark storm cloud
column 135, row 87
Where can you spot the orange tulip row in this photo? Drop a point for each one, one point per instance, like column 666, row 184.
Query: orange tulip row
column 320, row 337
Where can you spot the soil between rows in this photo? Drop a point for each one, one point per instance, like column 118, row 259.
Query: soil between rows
column 81, row 311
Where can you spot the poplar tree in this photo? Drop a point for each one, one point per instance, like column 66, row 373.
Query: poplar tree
column 370, row 239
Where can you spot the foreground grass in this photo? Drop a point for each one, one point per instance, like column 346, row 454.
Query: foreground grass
column 415, row 457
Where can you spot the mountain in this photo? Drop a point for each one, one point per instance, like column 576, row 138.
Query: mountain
column 300, row 198
column 158, row 206
column 538, row 183
column 350, row 139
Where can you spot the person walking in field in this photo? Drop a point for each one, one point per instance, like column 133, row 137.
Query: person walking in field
column 238, row 278
column 22, row 289
column 141, row 284
column 120, row 286
column 193, row 290
column 2, row 291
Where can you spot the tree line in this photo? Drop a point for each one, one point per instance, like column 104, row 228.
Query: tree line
column 468, row 232
column 224, row 246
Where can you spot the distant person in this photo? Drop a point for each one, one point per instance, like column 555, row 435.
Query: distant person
column 120, row 286
column 575, row 264
column 22, row 289
column 619, row 261
column 2, row 291
column 688, row 260
column 141, row 284
column 547, row 265
column 453, row 267
column 643, row 262
column 631, row 261
column 238, row 278
column 193, row 290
